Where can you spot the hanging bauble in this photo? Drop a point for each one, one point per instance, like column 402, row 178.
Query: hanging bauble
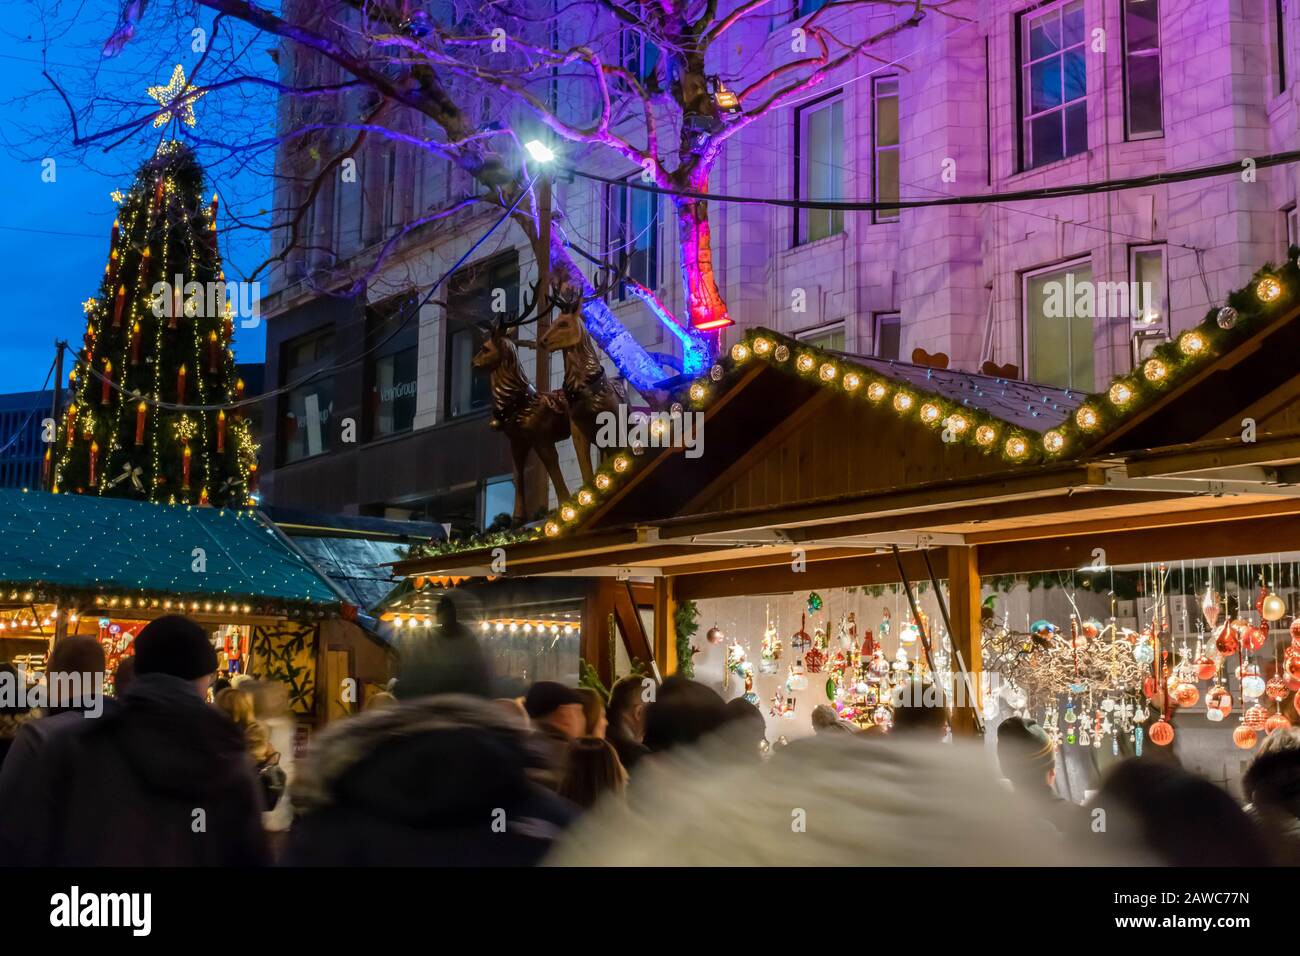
column 1213, row 716
column 1276, row 722
column 908, row 633
column 1187, row 695
column 814, row 602
column 1144, row 652
column 1292, row 664
column 1091, row 628
column 882, row 717
column 1210, row 606
column 1254, row 638
column 1295, row 631
column 814, row 660
column 1161, row 733
column 714, row 635
column 1244, row 737
column 1151, row 689
column 1274, row 608
column 830, row 688
column 1252, row 681
column 1226, row 317
column 1255, row 717
column 1227, row 642
column 1218, row 699
column 1205, row 667
column 1276, row 688
column 1014, row 696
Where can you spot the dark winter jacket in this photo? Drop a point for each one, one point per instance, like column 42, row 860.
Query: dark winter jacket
column 1273, row 785
column 163, row 779
column 434, row 781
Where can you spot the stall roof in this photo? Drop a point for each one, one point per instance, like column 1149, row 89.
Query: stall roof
column 85, row 543
column 355, row 552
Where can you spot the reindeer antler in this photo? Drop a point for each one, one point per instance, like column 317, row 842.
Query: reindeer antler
column 566, row 301
column 505, row 322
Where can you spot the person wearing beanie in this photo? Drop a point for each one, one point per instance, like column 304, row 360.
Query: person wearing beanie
column 556, row 714
column 129, row 788
column 448, row 661
column 1028, row 760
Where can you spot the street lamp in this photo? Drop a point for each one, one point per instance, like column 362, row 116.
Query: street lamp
column 539, row 151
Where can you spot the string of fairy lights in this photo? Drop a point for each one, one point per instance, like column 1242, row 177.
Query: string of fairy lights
column 1172, row 362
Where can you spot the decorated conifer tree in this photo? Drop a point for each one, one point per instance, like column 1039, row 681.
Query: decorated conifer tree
column 156, row 360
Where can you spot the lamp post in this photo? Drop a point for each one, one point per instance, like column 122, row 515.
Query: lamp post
column 543, row 156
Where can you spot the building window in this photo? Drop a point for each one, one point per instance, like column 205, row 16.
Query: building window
column 1292, row 229
column 818, row 151
column 1058, row 326
column 885, row 143
column 633, row 232
column 886, row 335
column 1149, row 296
column 636, row 55
column 473, row 292
column 390, row 190
column 828, row 337
column 1143, row 114
column 498, row 499
column 805, row 7
column 1053, row 84
column 1280, row 38
column 393, row 332
column 308, row 405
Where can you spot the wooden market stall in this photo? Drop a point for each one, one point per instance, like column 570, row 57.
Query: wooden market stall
column 103, row 567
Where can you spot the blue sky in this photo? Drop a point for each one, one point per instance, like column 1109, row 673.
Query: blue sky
column 54, row 236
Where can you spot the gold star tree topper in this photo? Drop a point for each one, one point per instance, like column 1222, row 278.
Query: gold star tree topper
column 177, row 98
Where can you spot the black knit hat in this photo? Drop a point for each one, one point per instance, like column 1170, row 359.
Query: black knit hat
column 174, row 645
column 546, row 696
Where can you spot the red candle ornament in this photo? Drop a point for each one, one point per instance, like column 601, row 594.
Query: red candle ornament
column 72, row 424
column 135, row 344
column 141, row 411
column 94, row 461
column 113, row 236
column 214, row 349
column 107, row 385
column 180, row 385
column 45, row 468
column 119, row 303
column 178, row 306
column 145, row 259
column 221, row 431
column 185, row 467
column 158, row 192
column 252, row 478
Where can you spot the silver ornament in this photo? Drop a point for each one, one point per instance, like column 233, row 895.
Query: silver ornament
column 1227, row 317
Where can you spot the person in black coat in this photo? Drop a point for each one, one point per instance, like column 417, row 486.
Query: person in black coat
column 432, row 781
column 162, row 779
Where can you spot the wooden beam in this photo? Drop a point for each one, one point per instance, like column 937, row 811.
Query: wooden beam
column 964, row 604
column 635, row 640
column 665, row 644
column 596, row 615
column 841, row 573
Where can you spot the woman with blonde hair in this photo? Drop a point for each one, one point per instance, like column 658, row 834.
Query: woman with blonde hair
column 237, row 705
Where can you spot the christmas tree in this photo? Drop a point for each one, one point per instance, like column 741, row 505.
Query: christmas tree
column 156, row 366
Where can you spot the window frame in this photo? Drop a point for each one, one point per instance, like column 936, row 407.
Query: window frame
column 288, row 375
column 1129, row 135
column 801, row 112
column 1133, row 252
column 820, row 331
column 877, row 216
column 453, row 325
column 378, row 315
column 618, row 224
column 1061, row 267
column 1024, row 97
column 1290, row 227
column 878, row 322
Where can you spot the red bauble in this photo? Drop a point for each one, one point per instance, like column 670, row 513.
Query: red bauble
column 1256, row 717
column 1150, row 689
column 1161, row 733
column 1227, row 642
column 1254, row 638
column 814, row 660
column 1219, row 699
column 1292, row 665
column 1276, row 722
column 1244, row 737
column 1187, row 695
column 1295, row 630
column 1276, row 688
column 1205, row 668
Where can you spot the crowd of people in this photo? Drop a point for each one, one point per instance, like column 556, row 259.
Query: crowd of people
column 174, row 770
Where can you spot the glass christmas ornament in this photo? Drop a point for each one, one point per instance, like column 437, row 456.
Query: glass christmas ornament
column 1275, row 688
column 796, row 679
column 1274, row 608
column 1187, row 695
column 1292, row 664
column 1252, row 682
column 1210, row 607
column 1254, row 638
column 882, row 717
column 1091, row 628
column 1227, row 642
column 1269, row 289
column 1219, row 699
column 1162, row 734
column 1255, row 717
column 1244, row 738
column 1014, row 696
column 1205, row 667
column 714, row 635
column 1295, row 630
column 1226, row 318
column 1276, row 722
column 908, row 633
column 1213, row 716
column 1143, row 651
column 814, row 660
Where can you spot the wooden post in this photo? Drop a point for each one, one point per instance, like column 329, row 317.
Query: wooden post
column 596, row 614
column 665, row 641
column 964, row 608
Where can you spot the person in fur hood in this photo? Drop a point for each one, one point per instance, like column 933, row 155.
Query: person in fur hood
column 432, row 781
column 1272, row 785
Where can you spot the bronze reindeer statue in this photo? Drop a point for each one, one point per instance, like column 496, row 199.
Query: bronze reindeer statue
column 530, row 421
column 587, row 388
